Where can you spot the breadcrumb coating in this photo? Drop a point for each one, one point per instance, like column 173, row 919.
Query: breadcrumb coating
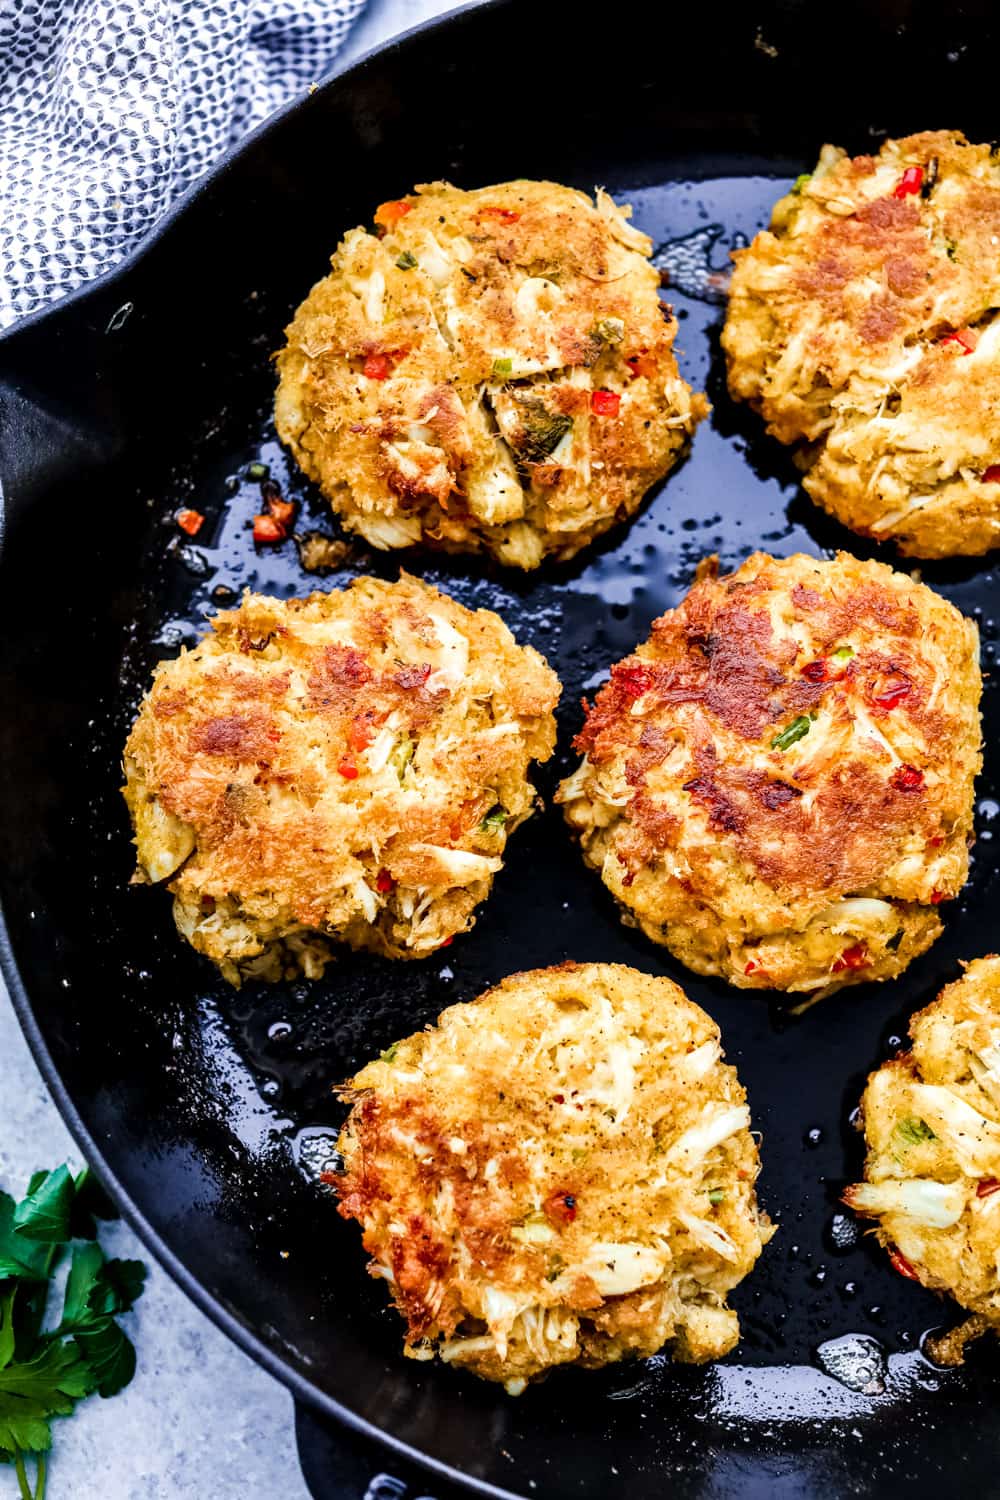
column 863, row 324
column 345, row 768
column 778, row 784
column 931, row 1118
column 561, row 1172
column 490, row 371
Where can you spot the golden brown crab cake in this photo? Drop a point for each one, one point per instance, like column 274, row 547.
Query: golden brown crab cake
column 931, row 1118
column 778, row 784
column 561, row 1172
column 490, row 371
column 864, row 324
column 341, row 768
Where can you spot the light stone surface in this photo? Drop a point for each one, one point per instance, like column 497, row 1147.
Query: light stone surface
column 200, row 1419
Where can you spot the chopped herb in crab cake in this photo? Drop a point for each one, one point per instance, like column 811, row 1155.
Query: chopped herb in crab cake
column 561, row 1172
column 931, row 1118
column 343, row 768
column 778, row 784
column 863, row 324
column 487, row 371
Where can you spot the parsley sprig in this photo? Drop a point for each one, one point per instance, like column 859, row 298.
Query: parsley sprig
column 44, row 1372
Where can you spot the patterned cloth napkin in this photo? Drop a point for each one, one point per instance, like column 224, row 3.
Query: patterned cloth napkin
column 110, row 108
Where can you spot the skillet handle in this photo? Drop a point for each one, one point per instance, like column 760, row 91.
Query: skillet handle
column 337, row 1464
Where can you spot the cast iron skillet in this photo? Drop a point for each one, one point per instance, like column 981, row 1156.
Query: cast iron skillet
column 202, row 1108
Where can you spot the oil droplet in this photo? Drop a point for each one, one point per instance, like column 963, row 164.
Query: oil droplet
column 842, row 1233
column 315, row 1152
column 194, row 560
column 278, row 1030
column 989, row 809
column 857, row 1361
column 814, row 1137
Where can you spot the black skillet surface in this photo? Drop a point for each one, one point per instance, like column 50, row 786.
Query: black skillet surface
column 203, row 1108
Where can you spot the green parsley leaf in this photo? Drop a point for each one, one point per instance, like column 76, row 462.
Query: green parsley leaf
column 45, row 1372
column 843, row 653
column 85, row 1268
column 406, row 260
column 258, row 471
column 19, row 1257
column 7, row 1340
column 716, row 1195
column 24, row 1428
column 389, row 1054
column 914, row 1130
column 796, row 730
column 118, row 1287
column 501, row 369
column 90, row 1203
column 44, row 1214
column 109, row 1356
column 494, row 819
column 30, row 1394
column 803, row 179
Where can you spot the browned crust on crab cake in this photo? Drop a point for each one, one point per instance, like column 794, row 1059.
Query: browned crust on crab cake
column 840, row 333
column 778, row 784
column 560, row 1172
column 345, row 767
column 931, row 1118
column 492, row 317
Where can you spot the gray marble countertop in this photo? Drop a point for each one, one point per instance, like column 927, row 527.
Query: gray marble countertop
column 200, row 1418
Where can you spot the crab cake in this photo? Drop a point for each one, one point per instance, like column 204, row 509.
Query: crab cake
column 341, row 768
column 561, row 1172
column 931, row 1118
column 778, row 784
column 864, row 324
column 490, row 371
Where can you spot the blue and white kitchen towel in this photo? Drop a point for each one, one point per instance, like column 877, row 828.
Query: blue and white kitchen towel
column 110, row 108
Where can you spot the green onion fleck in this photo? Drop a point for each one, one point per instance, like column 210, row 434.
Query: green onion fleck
column 843, row 653
column 801, row 181
column 541, row 430
column 494, row 819
column 406, row 261
column 389, row 1054
column 502, row 369
column 401, row 755
column 914, row 1130
column 716, row 1195
column 258, row 471
column 610, row 330
column 796, row 730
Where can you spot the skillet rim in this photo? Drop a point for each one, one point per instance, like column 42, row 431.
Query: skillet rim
column 277, row 1361
column 245, row 1337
